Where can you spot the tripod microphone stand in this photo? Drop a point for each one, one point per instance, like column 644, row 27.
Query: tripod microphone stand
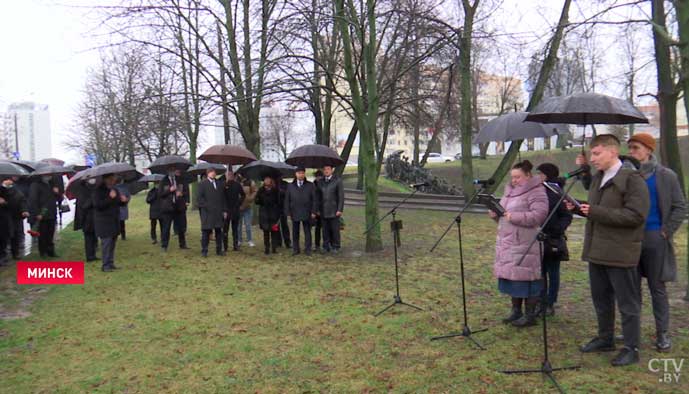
column 395, row 227
column 466, row 331
column 546, row 367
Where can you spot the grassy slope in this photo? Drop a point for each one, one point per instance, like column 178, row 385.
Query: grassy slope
column 177, row 323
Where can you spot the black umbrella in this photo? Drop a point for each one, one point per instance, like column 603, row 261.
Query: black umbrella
column 51, row 170
column 151, row 178
column 314, row 156
column 9, row 169
column 135, row 186
column 259, row 169
column 30, row 166
column 162, row 164
column 228, row 154
column 200, row 168
column 52, row 161
column 123, row 170
column 76, row 184
column 586, row 108
column 512, row 127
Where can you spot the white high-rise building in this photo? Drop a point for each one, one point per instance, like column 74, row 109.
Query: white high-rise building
column 29, row 127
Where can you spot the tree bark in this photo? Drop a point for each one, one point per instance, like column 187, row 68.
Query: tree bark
column 465, row 94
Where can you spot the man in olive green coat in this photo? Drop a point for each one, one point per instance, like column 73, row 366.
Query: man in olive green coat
column 617, row 208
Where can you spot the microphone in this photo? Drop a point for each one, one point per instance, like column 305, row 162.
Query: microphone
column 418, row 185
column 585, row 168
column 483, row 182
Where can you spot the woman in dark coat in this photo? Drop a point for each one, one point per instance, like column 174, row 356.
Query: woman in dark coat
column 153, row 211
column 555, row 245
column 268, row 200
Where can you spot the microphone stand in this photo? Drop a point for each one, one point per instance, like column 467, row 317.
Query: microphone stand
column 466, row 331
column 546, row 367
column 395, row 226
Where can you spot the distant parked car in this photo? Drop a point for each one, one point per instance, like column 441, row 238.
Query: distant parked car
column 438, row 158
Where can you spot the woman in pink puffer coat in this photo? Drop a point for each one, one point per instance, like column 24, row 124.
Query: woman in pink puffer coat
column 526, row 205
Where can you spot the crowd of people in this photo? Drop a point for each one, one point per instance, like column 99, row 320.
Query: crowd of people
column 225, row 205
column 633, row 209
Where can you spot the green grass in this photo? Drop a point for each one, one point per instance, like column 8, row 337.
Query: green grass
column 245, row 323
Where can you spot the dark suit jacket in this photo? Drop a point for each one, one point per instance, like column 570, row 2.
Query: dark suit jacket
column 83, row 214
column 154, row 202
column 106, row 215
column 300, row 202
column 270, row 210
column 330, row 197
column 211, row 201
column 169, row 202
column 234, row 196
column 42, row 200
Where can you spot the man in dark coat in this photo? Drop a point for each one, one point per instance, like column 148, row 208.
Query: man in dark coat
column 270, row 210
column 213, row 211
column 300, row 205
column 284, row 223
column 153, row 211
column 658, row 263
column 84, row 219
column 330, row 207
column 318, row 222
column 617, row 208
column 19, row 209
column 234, row 196
column 5, row 223
column 43, row 207
column 173, row 193
column 107, row 202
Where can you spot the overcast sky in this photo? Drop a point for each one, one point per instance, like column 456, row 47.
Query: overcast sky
column 48, row 46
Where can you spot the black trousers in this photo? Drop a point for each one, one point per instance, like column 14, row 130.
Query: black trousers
column 306, row 225
column 18, row 240
column 271, row 236
column 180, row 221
column 206, row 237
column 154, row 236
column 123, row 229
column 331, row 233
column 653, row 250
column 284, row 230
column 621, row 285
column 317, row 232
column 4, row 241
column 234, row 224
column 90, row 245
column 108, row 251
column 46, row 246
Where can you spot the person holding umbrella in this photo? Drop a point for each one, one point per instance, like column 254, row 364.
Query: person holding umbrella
column 124, row 208
column 234, row 196
column 153, row 202
column 43, row 208
column 268, row 200
column 300, row 205
column 107, row 201
column 284, row 223
column 318, row 223
column 84, row 218
column 19, row 210
column 330, row 207
column 174, row 199
column 6, row 199
column 213, row 212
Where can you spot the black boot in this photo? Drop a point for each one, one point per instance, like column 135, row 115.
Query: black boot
column 516, row 311
column 183, row 241
column 529, row 318
column 663, row 343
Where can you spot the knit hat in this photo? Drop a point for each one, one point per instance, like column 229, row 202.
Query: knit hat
column 550, row 170
column 644, row 139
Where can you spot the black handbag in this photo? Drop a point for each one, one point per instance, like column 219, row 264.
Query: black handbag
column 556, row 248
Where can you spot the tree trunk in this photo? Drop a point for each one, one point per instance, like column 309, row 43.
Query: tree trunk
column 682, row 9
column 537, row 95
column 465, row 94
